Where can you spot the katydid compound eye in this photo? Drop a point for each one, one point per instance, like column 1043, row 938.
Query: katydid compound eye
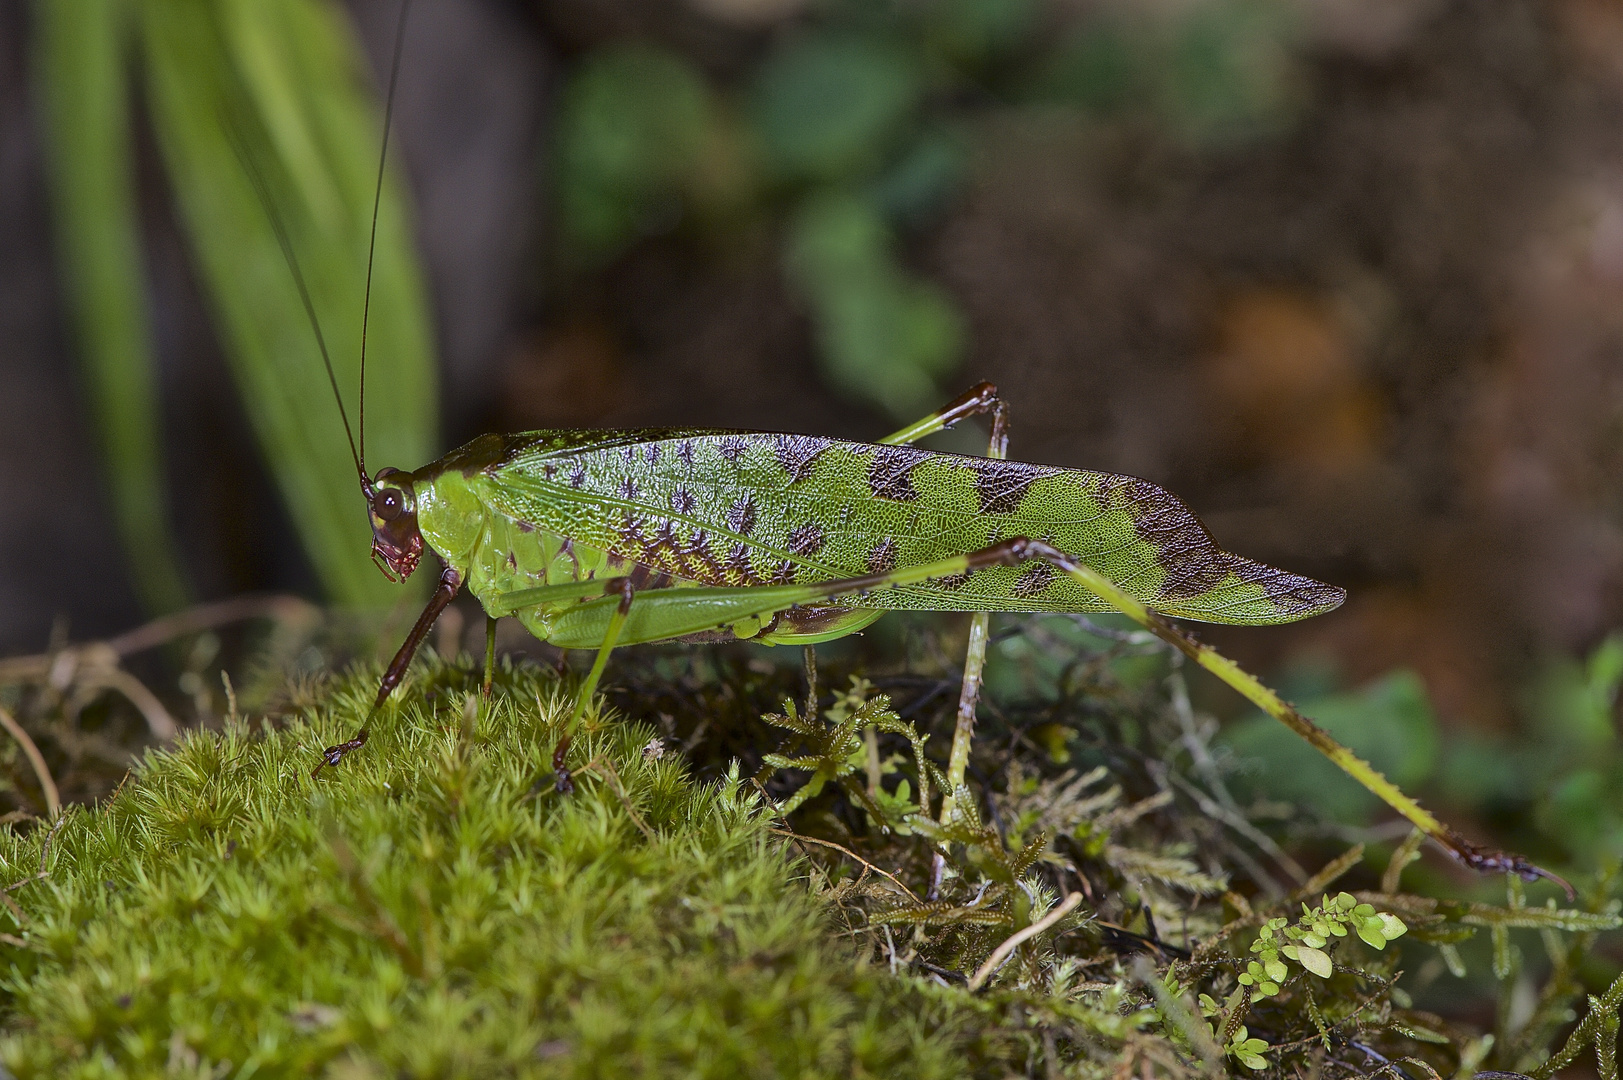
column 388, row 504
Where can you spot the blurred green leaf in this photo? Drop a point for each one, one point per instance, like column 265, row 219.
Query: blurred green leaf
column 279, row 89
column 1099, row 66
column 1563, row 773
column 1229, row 69
column 79, row 55
column 1571, row 705
column 1573, row 701
column 1209, row 72
column 974, row 31
column 1584, row 813
column 828, row 105
column 1478, row 771
column 925, row 178
column 631, row 124
column 885, row 336
column 1389, row 723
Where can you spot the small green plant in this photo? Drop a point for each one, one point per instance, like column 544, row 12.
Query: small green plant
column 1304, row 941
column 845, row 745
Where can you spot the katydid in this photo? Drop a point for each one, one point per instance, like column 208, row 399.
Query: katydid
column 596, row 539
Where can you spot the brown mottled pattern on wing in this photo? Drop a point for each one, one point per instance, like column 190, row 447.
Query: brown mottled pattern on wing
column 888, row 475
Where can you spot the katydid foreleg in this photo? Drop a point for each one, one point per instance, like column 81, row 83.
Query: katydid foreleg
column 450, row 582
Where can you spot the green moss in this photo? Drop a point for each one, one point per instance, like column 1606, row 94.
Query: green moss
column 420, row 911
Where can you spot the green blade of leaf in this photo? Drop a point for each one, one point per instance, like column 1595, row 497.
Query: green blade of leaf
column 78, row 55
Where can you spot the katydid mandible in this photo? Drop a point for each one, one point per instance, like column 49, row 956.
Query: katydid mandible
column 594, row 539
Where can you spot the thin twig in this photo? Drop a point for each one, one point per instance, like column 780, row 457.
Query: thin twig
column 194, row 620
column 287, row 609
column 53, row 801
column 45, row 848
column 1001, row 953
column 162, row 725
column 95, row 665
column 784, row 831
column 1220, row 803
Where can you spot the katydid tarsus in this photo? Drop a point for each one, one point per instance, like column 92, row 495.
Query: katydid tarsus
column 596, row 539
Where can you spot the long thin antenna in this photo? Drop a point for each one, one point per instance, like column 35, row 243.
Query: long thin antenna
column 279, row 227
column 377, row 201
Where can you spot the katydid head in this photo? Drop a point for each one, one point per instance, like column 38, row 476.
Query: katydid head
column 397, row 543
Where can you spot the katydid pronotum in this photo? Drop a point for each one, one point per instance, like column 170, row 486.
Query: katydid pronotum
column 599, row 539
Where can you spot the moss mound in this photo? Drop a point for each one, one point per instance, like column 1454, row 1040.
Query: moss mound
column 429, row 909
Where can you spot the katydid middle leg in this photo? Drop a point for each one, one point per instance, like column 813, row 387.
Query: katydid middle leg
column 611, row 637
column 981, row 398
column 673, row 612
column 450, row 582
column 490, row 653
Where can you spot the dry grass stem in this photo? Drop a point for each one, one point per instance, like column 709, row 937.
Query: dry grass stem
column 1001, row 953
column 53, row 801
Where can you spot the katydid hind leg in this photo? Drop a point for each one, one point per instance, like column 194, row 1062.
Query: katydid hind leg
column 1020, row 549
column 449, row 584
column 1468, row 853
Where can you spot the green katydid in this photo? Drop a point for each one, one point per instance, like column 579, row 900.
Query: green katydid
column 599, row 539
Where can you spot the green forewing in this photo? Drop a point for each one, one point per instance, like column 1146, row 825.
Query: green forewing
column 749, row 508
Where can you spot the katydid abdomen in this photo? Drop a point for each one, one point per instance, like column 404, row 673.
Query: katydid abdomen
column 675, row 508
